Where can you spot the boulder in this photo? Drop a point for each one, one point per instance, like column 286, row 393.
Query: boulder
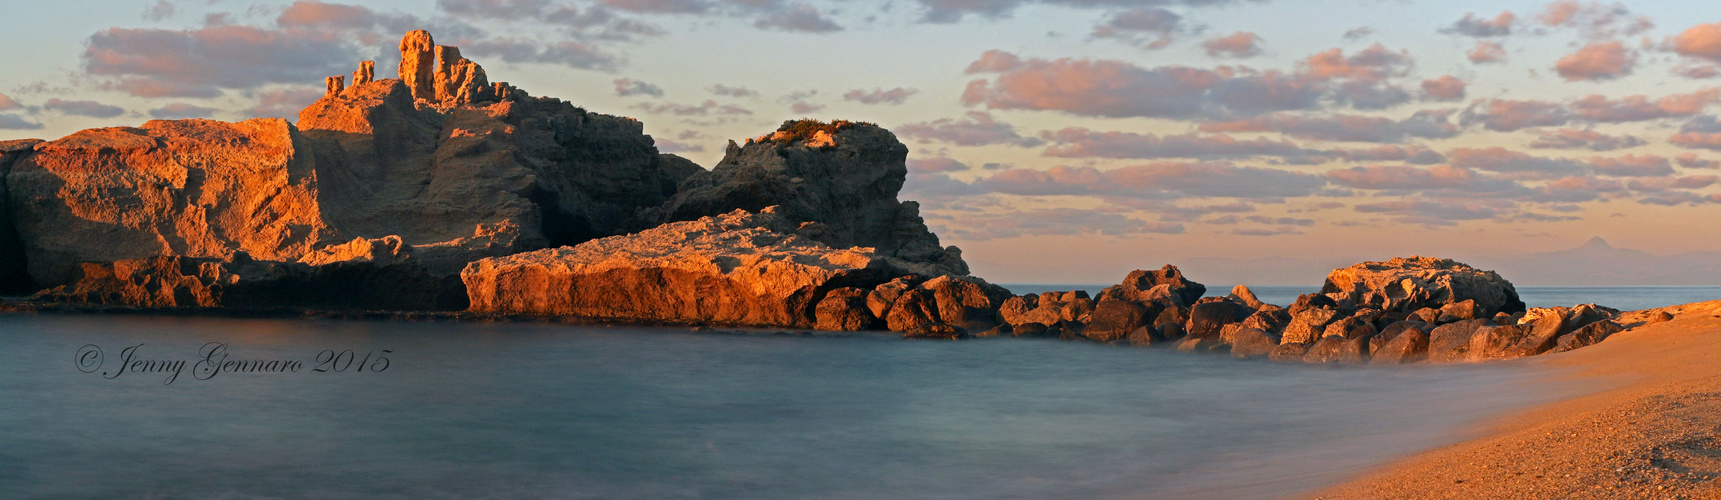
column 967, row 301
column 1462, row 310
column 1409, row 284
column 1251, row 343
column 1541, row 335
column 1146, row 335
column 1398, row 328
column 1338, row 350
column 739, row 268
column 843, row 175
column 1047, row 308
column 1207, row 319
column 1114, row 319
column 1351, row 327
column 1499, row 342
column 879, row 300
column 1166, row 286
column 914, row 312
column 1311, row 301
column 1171, row 332
column 1268, row 319
column 844, row 309
column 1588, row 335
column 1289, row 352
column 1405, row 345
column 1308, row 325
column 1451, row 342
column 1243, row 295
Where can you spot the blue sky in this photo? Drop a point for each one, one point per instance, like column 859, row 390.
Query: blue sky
column 1066, row 140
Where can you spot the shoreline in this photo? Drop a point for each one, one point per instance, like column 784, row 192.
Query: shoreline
column 1652, row 431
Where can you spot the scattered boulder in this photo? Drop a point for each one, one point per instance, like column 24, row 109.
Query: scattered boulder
column 879, row 300
column 1451, row 342
column 1308, row 325
column 1243, row 295
column 844, row 309
column 1402, row 345
column 1289, row 352
column 1047, row 308
column 1166, row 286
column 1114, row 319
column 1409, row 284
column 1498, row 342
column 1338, row 350
column 1588, row 335
column 1251, row 343
column 1208, row 318
column 1268, row 319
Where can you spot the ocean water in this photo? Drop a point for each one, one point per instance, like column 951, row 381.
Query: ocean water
column 528, row 410
column 1624, row 298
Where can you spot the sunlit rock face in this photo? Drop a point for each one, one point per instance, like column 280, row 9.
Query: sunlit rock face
column 738, row 268
column 844, row 175
column 1409, row 284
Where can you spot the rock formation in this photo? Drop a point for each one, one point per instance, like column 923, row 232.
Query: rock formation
column 844, row 175
column 237, row 281
column 1408, row 284
column 738, row 268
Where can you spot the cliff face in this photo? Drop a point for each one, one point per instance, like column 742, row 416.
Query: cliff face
column 196, row 188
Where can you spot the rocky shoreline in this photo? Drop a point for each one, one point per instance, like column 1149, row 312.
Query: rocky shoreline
column 442, row 196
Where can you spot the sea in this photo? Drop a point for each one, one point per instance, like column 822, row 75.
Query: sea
column 122, row 406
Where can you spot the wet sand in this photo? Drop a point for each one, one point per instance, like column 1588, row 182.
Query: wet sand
column 1652, row 429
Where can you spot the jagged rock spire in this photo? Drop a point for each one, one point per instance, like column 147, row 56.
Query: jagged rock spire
column 418, row 64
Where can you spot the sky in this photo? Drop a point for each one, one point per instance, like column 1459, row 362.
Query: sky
column 1054, row 141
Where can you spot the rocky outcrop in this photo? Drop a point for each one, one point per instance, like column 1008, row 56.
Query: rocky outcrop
column 1409, row 284
column 844, row 175
column 14, row 271
column 192, row 188
column 739, row 268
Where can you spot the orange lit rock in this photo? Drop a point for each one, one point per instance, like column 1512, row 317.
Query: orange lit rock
column 418, row 64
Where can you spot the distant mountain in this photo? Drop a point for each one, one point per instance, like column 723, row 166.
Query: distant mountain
column 1596, row 263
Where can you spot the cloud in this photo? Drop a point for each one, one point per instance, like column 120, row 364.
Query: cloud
column 15, row 122
column 1700, row 71
column 1597, row 61
column 798, row 17
column 284, row 102
column 1486, row 52
column 180, row 110
column 1594, row 20
column 804, row 107
column 1653, row 184
column 1150, row 28
column 725, row 90
column 1415, row 155
column 1342, row 127
column 1567, row 138
column 1392, row 177
column 709, row 107
column 1691, row 160
column 162, row 9
column 498, row 9
column 1702, row 41
column 1474, row 26
column 1498, row 159
column 660, row 6
column 937, row 164
column 84, row 108
column 994, row 61
column 950, row 11
column 1430, row 212
column 1638, row 108
column 977, row 128
column 1048, row 222
column 520, row 50
column 193, row 63
column 1506, row 115
column 629, row 87
column 1445, row 88
column 1372, row 64
column 1162, row 181
column 879, row 96
column 1075, row 142
column 6, row 103
column 1240, row 45
column 1358, row 32
column 1113, row 88
column 1632, row 166
column 313, row 14
column 669, row 146
column 1701, row 132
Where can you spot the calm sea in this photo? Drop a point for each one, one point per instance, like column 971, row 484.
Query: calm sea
column 1624, row 298
column 517, row 410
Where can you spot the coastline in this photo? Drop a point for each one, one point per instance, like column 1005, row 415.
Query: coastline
column 1654, row 431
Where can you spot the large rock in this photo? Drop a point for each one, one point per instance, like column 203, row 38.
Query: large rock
column 1207, row 319
column 1499, row 342
column 1166, row 286
column 1409, row 284
column 14, row 272
column 1047, row 308
column 1338, row 350
column 844, row 309
column 193, row 188
column 1451, row 342
column 1405, row 345
column 1114, row 319
column 844, row 175
column 739, row 268
column 1251, row 343
column 1587, row 336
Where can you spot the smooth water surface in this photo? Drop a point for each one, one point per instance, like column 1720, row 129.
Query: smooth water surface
column 1624, row 298
column 468, row 410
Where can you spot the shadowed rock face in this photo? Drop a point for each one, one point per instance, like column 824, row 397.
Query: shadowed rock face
column 844, row 175
column 238, row 281
column 738, row 268
column 14, row 274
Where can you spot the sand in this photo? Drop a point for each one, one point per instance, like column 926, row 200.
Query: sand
column 1652, row 429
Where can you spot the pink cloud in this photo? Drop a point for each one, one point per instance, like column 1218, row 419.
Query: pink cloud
column 1373, row 64
column 977, row 128
column 1701, row 41
column 880, row 96
column 630, row 87
column 1486, row 52
column 1241, row 44
column 193, row 63
column 1506, row 115
column 1343, row 127
column 311, row 13
column 1597, row 61
column 1404, row 177
column 1445, row 88
column 937, row 164
column 1150, row 28
column 1568, row 138
column 1703, row 132
column 1691, row 160
column 1632, row 166
column 1471, row 25
column 1075, row 142
column 283, row 102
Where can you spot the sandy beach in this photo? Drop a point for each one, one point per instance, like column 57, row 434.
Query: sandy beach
column 1652, row 429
